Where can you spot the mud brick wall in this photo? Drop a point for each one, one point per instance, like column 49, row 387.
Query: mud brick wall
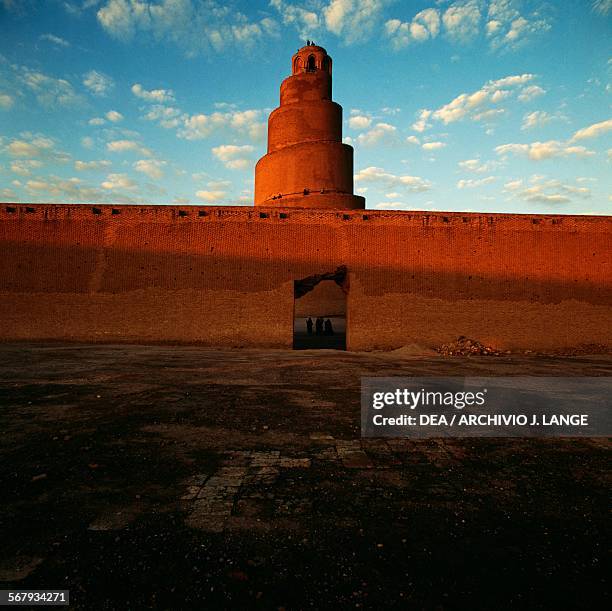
column 225, row 275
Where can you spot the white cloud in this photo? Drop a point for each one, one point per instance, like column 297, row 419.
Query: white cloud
column 195, row 27
column 305, row 21
column 433, row 146
column 423, row 26
column 352, row 20
column 472, row 183
column 168, row 117
column 119, row 181
column 8, row 195
column 37, row 185
column 420, row 125
column 219, row 185
column 114, row 116
column 492, row 27
column 121, row 146
column 211, row 196
column 513, row 185
column 413, row 140
column 592, row 131
column 84, row 166
column 35, row 145
column 537, row 151
column 87, row 142
column 117, row 146
column 380, row 133
column 378, row 175
column 478, row 167
column 536, row 119
column 547, row 191
column 153, row 168
column 233, row 156
column 529, row 93
column 474, row 105
column 249, row 122
column 197, row 127
column 360, row 122
column 24, row 167
column 54, row 188
column 56, row 40
column 499, row 95
column 50, row 92
column 98, row 83
column 534, row 194
column 507, row 28
column 21, row 148
column 487, row 115
column 462, row 20
column 6, row 101
column 159, row 96
column 504, row 25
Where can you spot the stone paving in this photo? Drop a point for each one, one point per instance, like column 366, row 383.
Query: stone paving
column 169, row 477
column 213, row 499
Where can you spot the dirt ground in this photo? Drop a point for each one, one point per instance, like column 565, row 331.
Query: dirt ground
column 185, row 477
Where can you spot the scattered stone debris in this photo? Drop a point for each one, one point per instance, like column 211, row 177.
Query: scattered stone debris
column 464, row 346
column 580, row 350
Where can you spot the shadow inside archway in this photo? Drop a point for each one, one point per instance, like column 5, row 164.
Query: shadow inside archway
column 322, row 299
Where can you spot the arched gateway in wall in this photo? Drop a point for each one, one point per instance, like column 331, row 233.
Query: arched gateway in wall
column 324, row 297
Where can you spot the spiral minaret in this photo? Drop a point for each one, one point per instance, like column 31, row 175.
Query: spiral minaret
column 307, row 165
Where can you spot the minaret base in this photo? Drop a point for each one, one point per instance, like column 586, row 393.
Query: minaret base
column 344, row 201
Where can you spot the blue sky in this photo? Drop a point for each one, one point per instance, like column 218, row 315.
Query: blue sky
column 473, row 105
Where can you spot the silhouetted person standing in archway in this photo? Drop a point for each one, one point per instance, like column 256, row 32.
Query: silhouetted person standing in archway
column 329, row 330
column 309, row 326
column 319, row 326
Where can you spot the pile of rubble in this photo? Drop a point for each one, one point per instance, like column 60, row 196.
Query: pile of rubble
column 464, row 346
column 580, row 350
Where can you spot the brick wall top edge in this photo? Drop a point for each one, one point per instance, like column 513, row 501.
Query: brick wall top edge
column 272, row 214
